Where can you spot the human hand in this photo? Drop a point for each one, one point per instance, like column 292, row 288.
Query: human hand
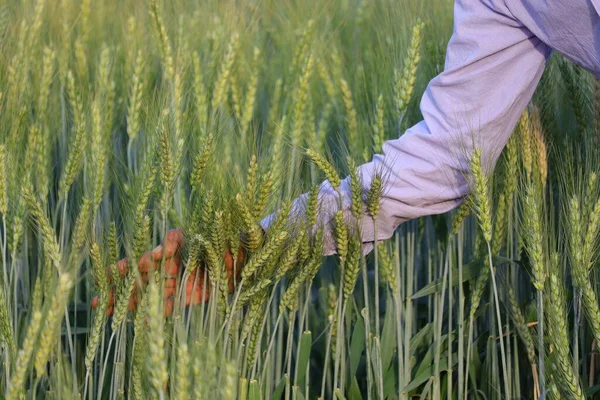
column 197, row 287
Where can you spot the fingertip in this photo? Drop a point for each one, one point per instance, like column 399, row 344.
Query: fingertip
column 132, row 304
column 240, row 255
column 147, row 262
column 228, row 257
column 123, row 267
column 175, row 239
column 196, row 292
column 142, row 263
column 171, row 266
column 168, row 293
column 172, row 243
column 95, row 302
column 169, row 305
column 157, row 253
column 170, row 283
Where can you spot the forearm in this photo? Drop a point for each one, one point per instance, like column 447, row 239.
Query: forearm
column 492, row 67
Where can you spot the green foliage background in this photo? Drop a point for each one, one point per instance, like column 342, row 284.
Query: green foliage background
column 105, row 111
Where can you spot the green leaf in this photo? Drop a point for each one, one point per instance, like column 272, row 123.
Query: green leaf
column 469, row 271
column 357, row 345
column 354, row 391
column 254, row 393
column 338, row 394
column 389, row 383
column 243, row 389
column 427, row 388
column 388, row 340
column 592, row 390
column 428, row 373
column 427, row 361
column 419, row 338
column 376, row 362
column 303, row 357
column 296, row 393
column 280, row 388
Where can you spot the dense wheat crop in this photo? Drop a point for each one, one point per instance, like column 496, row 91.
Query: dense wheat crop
column 123, row 120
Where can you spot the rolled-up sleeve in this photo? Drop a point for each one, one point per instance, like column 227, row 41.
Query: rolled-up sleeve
column 493, row 64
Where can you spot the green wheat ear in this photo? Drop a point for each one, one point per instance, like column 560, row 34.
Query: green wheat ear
column 325, row 167
column 582, row 242
column 562, row 363
column 533, row 236
column 183, row 377
column 75, row 158
column 374, row 196
column 520, row 323
column 356, row 189
column 405, row 81
column 464, row 210
column 351, row 116
column 352, row 266
column 100, row 315
column 6, row 332
column 526, row 145
column 156, row 363
column 341, row 237
column 51, row 247
column 48, row 334
column 224, row 78
column 388, row 272
column 135, row 98
column 201, row 162
column 378, row 127
column 3, row 181
column 251, row 94
column 480, row 188
column 24, row 357
column 302, row 99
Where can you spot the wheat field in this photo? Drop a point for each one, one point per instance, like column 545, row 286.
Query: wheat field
column 125, row 124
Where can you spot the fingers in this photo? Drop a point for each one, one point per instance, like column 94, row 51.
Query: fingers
column 169, row 292
column 197, row 290
column 123, row 267
column 148, row 264
column 151, row 261
column 171, row 245
column 110, row 305
column 170, row 287
column 132, row 305
column 232, row 267
column 169, row 305
column 172, row 266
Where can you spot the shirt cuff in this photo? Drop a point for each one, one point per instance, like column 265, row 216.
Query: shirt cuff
column 329, row 205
